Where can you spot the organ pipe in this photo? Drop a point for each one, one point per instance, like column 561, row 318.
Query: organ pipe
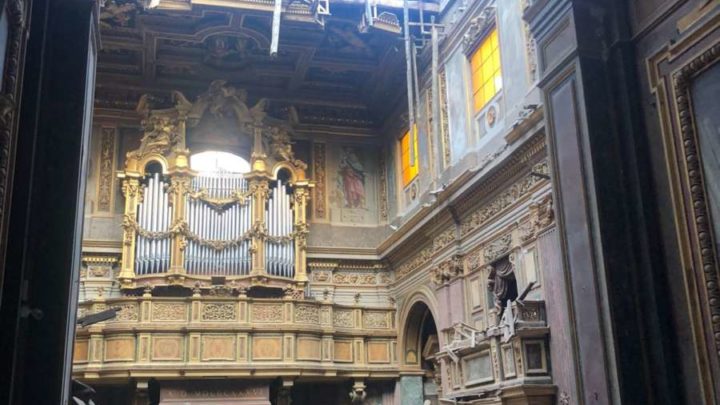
column 211, row 226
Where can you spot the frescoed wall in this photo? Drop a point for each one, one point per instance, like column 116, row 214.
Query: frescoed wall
column 352, row 183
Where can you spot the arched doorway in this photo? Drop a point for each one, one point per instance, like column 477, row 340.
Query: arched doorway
column 420, row 346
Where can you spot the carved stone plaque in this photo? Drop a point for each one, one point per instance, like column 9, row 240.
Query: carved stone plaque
column 215, row 393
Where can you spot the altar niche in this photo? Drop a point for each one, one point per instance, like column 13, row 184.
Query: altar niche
column 184, row 227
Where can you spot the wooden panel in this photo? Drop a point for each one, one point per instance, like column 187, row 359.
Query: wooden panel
column 554, row 47
column 120, row 349
column 343, row 351
column 308, row 348
column 167, row 348
column 80, row 354
column 218, row 348
column 267, row 348
column 378, row 352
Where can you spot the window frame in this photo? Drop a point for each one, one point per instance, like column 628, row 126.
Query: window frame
column 474, row 50
column 414, row 133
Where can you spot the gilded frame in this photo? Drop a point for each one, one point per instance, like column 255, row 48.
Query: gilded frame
column 705, row 254
column 671, row 73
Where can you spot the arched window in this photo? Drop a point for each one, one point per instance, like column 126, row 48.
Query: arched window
column 213, row 162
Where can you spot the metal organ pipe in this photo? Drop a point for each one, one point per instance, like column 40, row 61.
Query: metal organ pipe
column 151, row 225
column 140, row 248
column 140, row 241
column 208, row 224
column 154, row 215
column 283, row 231
column 279, row 257
column 153, row 221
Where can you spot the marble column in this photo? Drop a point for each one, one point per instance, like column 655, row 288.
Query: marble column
column 411, row 390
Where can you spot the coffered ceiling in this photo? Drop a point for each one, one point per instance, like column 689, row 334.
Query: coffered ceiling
column 328, row 74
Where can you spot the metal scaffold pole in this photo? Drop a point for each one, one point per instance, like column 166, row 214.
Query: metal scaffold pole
column 409, row 56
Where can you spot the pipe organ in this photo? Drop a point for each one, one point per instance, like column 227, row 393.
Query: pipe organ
column 212, row 223
column 188, row 228
column 152, row 255
column 279, row 252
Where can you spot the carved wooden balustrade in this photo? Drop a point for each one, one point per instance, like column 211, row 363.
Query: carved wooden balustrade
column 221, row 331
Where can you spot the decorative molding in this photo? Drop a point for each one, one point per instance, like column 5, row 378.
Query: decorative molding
column 9, row 95
column 383, row 187
column 322, row 276
column 497, row 248
column 481, row 216
column 343, row 318
column 355, row 278
column 99, row 259
column 479, row 27
column 375, row 320
column 307, row 314
column 444, row 121
column 447, row 270
column 219, row 312
column 319, row 177
column 107, row 169
column 530, row 46
column 168, row 312
column 127, row 313
column 441, row 241
column 267, row 313
column 702, row 232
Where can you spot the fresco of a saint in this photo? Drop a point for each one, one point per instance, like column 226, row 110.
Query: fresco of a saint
column 351, row 178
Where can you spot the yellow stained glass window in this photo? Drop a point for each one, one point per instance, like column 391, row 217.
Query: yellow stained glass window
column 486, row 73
column 409, row 172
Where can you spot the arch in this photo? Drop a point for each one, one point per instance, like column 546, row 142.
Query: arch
column 284, row 166
column 153, row 158
column 415, row 314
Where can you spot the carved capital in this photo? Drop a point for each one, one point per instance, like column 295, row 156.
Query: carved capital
column 447, row 270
